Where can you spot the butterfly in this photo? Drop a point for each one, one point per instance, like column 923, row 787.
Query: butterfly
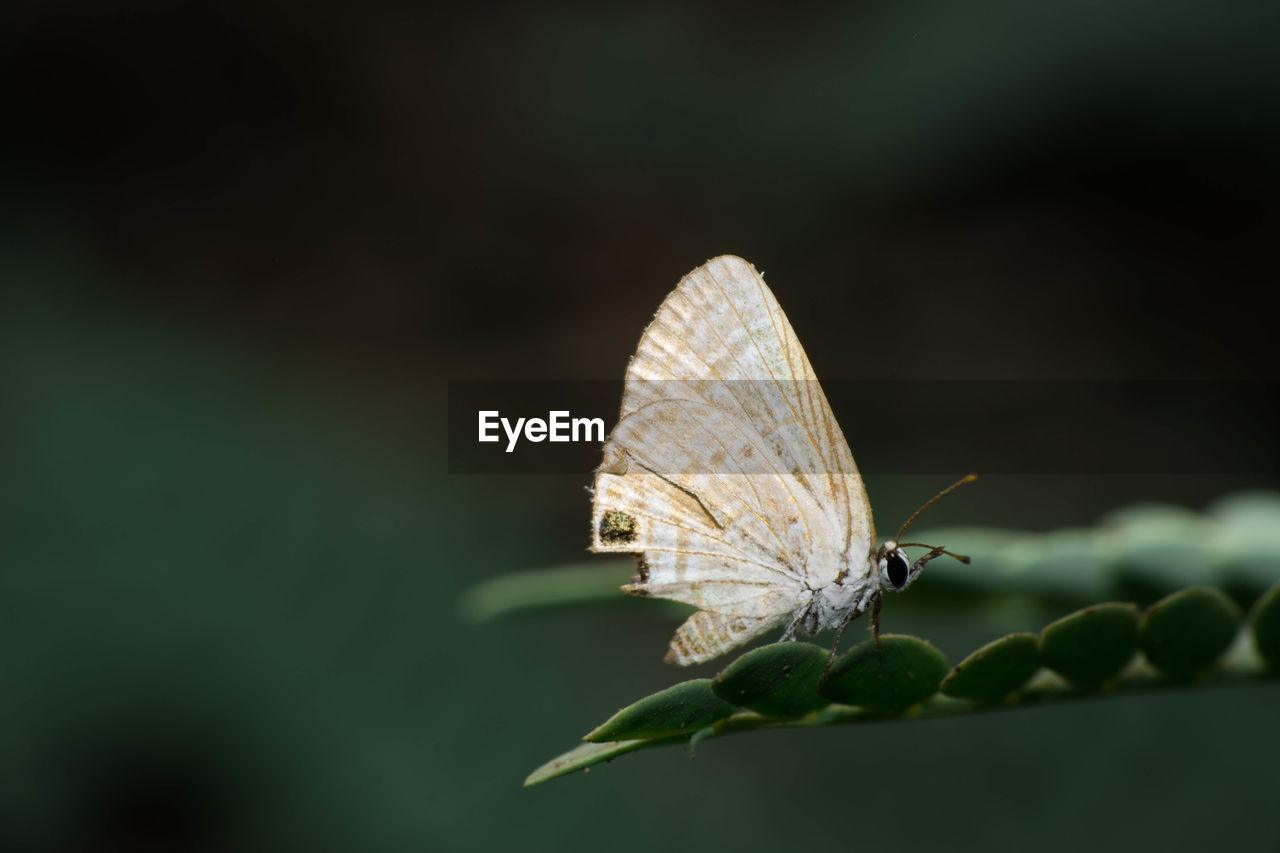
column 729, row 479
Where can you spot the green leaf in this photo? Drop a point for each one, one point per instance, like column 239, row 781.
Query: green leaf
column 779, row 680
column 684, row 707
column 899, row 673
column 1154, row 549
column 1189, row 630
column 989, row 569
column 1261, row 505
column 1145, row 572
column 1091, row 645
column 1149, row 550
column 574, row 584
column 1059, row 564
column 1036, row 694
column 584, row 755
column 880, row 681
column 995, row 670
column 1246, row 544
column 1140, row 553
column 1141, row 517
column 1266, row 627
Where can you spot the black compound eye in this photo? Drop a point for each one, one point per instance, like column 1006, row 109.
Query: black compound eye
column 896, row 566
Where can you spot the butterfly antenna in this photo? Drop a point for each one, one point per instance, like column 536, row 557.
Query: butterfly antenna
column 969, row 478
column 961, row 557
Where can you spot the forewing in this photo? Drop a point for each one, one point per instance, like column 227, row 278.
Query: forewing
column 721, row 338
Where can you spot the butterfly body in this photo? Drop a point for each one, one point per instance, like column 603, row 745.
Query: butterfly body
column 729, row 478
column 834, row 604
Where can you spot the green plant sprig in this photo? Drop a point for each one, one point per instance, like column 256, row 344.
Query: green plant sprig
column 1191, row 638
column 1138, row 553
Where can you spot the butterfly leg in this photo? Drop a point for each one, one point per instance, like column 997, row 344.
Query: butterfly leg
column 805, row 617
column 790, row 634
column 853, row 614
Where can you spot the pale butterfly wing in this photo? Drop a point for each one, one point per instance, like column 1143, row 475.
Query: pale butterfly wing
column 727, row 471
column 720, row 524
column 722, row 338
column 706, row 635
column 723, row 542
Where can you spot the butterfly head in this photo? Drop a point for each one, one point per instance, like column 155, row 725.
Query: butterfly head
column 896, row 571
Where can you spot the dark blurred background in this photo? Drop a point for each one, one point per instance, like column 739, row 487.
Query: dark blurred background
column 243, row 247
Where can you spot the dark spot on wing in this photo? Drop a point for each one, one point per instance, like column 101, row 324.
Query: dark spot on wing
column 617, row 527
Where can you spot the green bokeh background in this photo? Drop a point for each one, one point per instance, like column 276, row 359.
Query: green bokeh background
column 245, row 247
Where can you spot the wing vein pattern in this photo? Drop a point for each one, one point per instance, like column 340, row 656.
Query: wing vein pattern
column 727, row 474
